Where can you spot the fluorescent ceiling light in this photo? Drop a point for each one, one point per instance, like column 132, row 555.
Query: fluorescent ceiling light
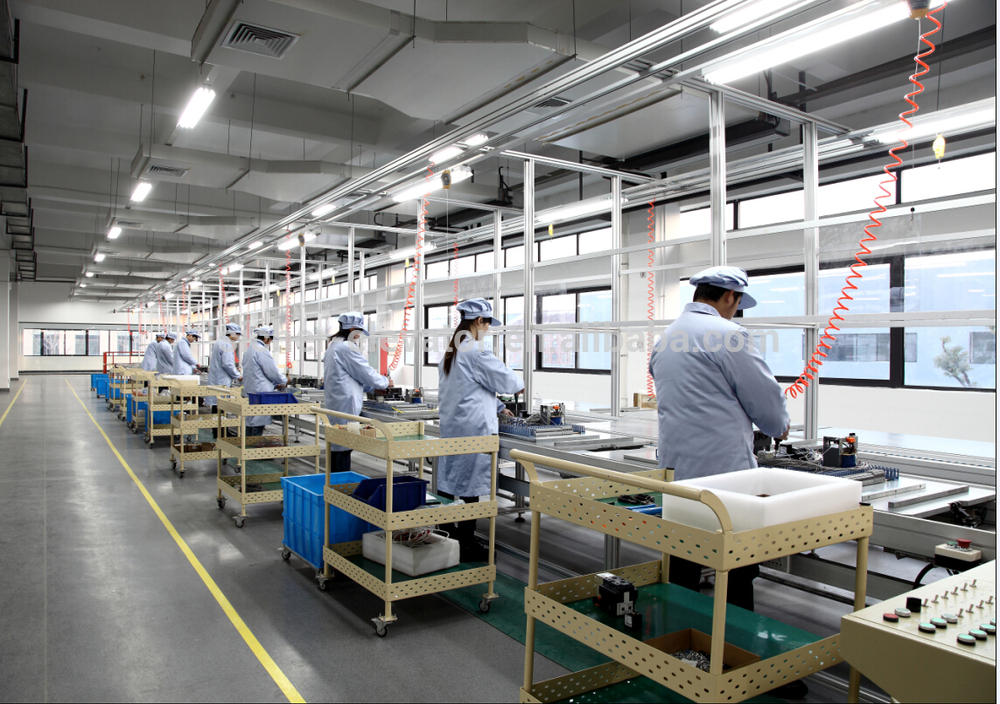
column 445, row 154
column 574, row 211
column 796, row 44
column 323, row 210
column 196, row 107
column 114, row 232
column 749, row 13
column 235, row 266
column 99, row 257
column 940, row 125
column 83, row 285
column 89, row 274
column 142, row 190
column 194, row 284
column 293, row 241
column 254, row 245
column 232, row 299
column 422, row 188
column 476, row 139
column 168, row 295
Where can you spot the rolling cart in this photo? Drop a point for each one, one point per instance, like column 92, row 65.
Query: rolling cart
column 138, row 381
column 158, row 404
column 403, row 441
column 244, row 448
column 116, row 389
column 182, row 395
column 765, row 653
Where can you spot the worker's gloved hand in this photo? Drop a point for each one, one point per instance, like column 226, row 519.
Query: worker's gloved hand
column 240, row 380
column 506, row 412
column 391, row 383
column 280, row 387
column 784, row 436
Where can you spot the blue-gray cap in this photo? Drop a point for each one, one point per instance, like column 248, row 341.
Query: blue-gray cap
column 731, row 278
column 352, row 320
column 264, row 332
column 233, row 329
column 160, row 333
column 477, row 308
column 171, row 336
column 195, row 333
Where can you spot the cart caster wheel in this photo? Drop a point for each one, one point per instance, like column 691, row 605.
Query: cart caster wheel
column 240, row 520
column 173, row 465
column 519, row 519
column 381, row 629
column 286, row 554
column 321, row 583
column 485, row 604
column 181, row 475
column 221, row 502
column 151, row 444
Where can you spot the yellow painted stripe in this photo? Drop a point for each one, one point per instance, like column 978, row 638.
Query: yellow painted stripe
column 11, row 404
column 272, row 668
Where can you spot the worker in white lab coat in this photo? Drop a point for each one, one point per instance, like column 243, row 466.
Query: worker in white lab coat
column 184, row 360
column 347, row 375
column 222, row 369
column 149, row 358
column 261, row 375
column 712, row 386
column 165, row 354
column 469, row 380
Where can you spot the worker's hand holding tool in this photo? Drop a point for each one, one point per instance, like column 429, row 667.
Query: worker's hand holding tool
column 506, row 412
column 391, row 383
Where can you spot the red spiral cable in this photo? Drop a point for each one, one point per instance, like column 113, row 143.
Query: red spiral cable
column 811, row 370
column 288, row 308
column 455, row 312
column 421, row 224
column 222, row 301
column 650, row 300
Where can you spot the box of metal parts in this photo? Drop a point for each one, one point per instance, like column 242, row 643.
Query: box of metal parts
column 429, row 553
column 692, row 647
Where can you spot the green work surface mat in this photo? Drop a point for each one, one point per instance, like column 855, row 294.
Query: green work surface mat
column 665, row 608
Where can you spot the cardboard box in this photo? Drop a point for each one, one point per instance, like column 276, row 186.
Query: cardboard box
column 197, row 447
column 369, row 431
column 690, row 639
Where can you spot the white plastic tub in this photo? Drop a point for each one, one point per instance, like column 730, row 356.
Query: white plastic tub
column 438, row 553
column 757, row 498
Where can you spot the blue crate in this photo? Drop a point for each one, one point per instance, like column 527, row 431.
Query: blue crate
column 272, row 397
column 159, row 417
column 128, row 408
column 102, row 386
column 407, row 493
column 303, row 516
column 94, row 378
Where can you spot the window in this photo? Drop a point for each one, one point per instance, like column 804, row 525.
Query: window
column 557, row 348
column 514, row 256
column 78, row 343
column 849, row 196
column 778, row 294
column 513, row 315
column 556, row 248
column 949, row 178
column 310, row 295
column 575, row 351
column 438, row 318
column 371, row 282
column 594, row 306
column 437, row 270
column 463, row 265
column 595, row 241
column 957, row 357
column 781, row 207
column 857, row 352
column 484, row 261
column 699, row 222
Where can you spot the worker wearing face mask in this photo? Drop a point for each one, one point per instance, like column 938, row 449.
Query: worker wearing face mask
column 185, row 363
column 261, row 375
column 347, row 375
column 149, row 358
column 165, row 353
column 712, row 387
column 468, row 383
column 222, row 370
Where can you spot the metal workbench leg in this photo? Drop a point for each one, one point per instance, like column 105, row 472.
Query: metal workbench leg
column 719, row 622
column 386, row 618
column 529, row 635
column 860, row 588
column 490, row 594
column 518, row 499
column 612, row 552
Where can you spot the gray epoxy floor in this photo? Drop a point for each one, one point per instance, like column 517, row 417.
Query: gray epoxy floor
column 100, row 604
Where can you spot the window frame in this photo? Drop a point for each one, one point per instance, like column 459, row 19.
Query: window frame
column 576, row 369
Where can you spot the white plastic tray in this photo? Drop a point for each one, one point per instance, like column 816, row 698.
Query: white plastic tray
column 437, row 553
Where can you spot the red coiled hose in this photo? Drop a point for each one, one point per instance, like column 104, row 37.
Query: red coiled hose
column 421, row 224
column 288, row 308
column 455, row 312
column 811, row 370
column 650, row 300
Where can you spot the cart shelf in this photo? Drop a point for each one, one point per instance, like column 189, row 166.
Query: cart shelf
column 786, row 653
column 402, row 441
column 184, row 395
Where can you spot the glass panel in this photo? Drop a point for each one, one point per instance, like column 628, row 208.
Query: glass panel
column 54, row 342
column 557, row 248
column 949, row 178
column 595, row 306
column 372, row 282
column 960, row 357
column 557, row 349
column 514, row 256
column 484, row 261
column 311, row 344
column 310, row 295
column 31, row 342
column 438, row 317
column 858, row 353
column 396, row 275
column 296, row 347
column 595, row 241
column 437, row 270
column 463, row 265
column 779, row 294
column 94, row 342
column 850, row 196
column 699, row 222
column 514, row 315
column 781, row 207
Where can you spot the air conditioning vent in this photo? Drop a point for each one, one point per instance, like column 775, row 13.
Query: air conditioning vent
column 552, row 103
column 131, row 224
column 164, row 170
column 259, row 40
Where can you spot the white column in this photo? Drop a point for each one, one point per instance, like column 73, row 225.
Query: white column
column 810, row 183
column 717, row 184
column 302, row 311
column 5, row 331
column 14, row 333
column 528, row 347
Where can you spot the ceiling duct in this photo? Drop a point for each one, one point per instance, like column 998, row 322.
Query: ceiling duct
column 166, row 171
column 255, row 39
column 548, row 104
column 128, row 224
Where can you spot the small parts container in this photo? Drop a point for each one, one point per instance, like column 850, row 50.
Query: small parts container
column 407, row 493
column 691, row 639
column 303, row 516
column 272, row 398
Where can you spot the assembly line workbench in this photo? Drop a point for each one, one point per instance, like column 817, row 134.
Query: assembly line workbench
column 183, row 422
column 403, row 441
column 243, row 449
column 779, row 653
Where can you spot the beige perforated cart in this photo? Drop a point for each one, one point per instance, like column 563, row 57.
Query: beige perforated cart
column 775, row 653
column 138, row 381
column 403, row 441
column 243, row 449
column 156, row 402
column 184, row 394
column 117, row 383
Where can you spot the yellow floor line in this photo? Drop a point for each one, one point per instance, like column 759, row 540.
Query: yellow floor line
column 11, row 404
column 272, row 668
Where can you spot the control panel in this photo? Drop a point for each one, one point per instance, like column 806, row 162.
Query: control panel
column 936, row 643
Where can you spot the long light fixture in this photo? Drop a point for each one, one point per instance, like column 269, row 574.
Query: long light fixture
column 99, row 257
column 749, row 13
column 445, row 154
column 141, row 190
column 255, row 245
column 476, row 139
column 114, row 232
column 422, row 188
column 574, row 211
column 83, row 285
column 168, row 295
column 194, row 284
column 939, row 125
column 235, row 266
column 196, row 107
column 296, row 240
column 799, row 42
column 323, row 210
column 89, row 274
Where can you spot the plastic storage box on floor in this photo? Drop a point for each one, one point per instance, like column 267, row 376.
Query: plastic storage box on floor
column 102, row 385
column 94, row 378
column 757, row 498
column 303, row 515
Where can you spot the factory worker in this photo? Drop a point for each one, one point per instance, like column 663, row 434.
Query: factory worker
column 712, row 386
column 149, row 358
column 164, row 354
column 469, row 379
column 222, row 370
column 347, row 375
column 184, row 361
column 261, row 375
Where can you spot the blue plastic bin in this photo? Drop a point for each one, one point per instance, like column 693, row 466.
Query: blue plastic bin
column 303, row 516
column 128, row 408
column 272, row 397
column 102, row 386
column 159, row 417
column 407, row 493
column 94, row 378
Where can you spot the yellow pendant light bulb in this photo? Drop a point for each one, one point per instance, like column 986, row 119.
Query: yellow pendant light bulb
column 938, row 147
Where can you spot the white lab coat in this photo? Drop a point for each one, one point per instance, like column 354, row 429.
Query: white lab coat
column 164, row 357
column 222, row 369
column 184, row 361
column 468, row 406
column 708, row 397
column 149, row 358
column 347, row 375
column 260, row 376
